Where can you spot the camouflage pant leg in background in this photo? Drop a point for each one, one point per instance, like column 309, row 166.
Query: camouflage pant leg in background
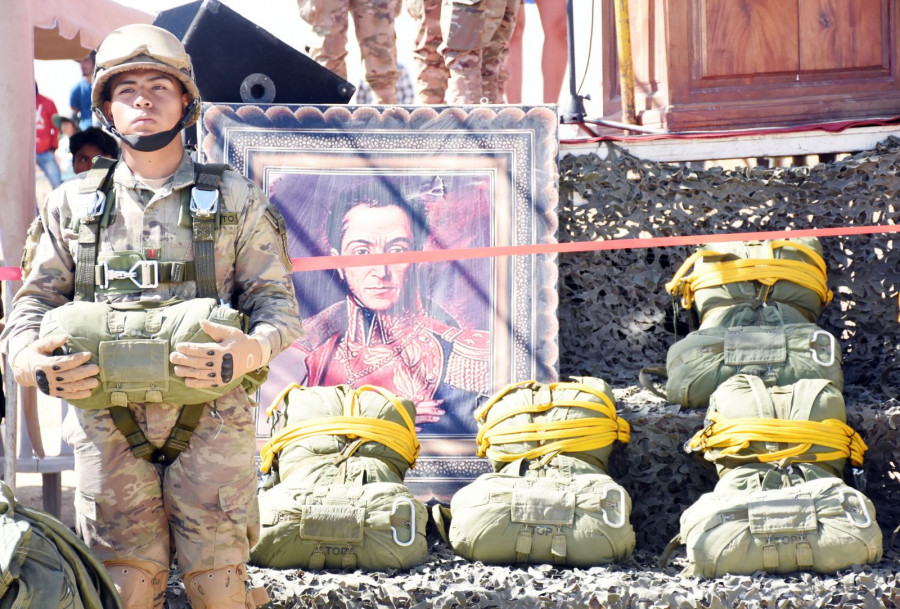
column 128, row 508
column 495, row 53
column 431, row 73
column 374, row 23
column 329, row 21
column 467, row 27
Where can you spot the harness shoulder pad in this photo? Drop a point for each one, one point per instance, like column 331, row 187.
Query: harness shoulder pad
column 98, row 176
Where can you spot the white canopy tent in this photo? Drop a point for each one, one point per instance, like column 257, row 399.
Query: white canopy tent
column 29, row 30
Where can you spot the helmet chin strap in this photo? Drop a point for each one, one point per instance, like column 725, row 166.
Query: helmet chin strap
column 149, row 143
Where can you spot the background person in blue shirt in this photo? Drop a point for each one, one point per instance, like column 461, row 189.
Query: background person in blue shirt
column 80, row 97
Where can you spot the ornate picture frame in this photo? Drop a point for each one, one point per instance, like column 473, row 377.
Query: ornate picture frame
column 481, row 176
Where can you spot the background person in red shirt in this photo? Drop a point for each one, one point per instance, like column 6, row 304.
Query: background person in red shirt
column 46, row 138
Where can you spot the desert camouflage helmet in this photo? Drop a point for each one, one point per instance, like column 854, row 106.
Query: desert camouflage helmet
column 143, row 46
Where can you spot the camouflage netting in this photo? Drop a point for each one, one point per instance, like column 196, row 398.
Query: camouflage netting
column 611, row 328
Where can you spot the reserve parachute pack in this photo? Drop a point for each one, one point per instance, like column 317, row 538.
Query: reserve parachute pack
column 753, row 273
column 333, row 493
column 550, row 499
column 44, row 564
column 778, row 354
column 762, row 518
column 131, row 342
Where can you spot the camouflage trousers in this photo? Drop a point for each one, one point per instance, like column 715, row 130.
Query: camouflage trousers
column 431, row 73
column 476, row 44
column 374, row 23
column 203, row 505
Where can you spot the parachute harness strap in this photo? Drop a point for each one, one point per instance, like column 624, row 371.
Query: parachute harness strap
column 572, row 435
column 401, row 439
column 731, row 436
column 767, row 271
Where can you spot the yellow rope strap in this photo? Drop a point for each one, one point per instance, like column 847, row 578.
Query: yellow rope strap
column 572, row 435
column 400, row 439
column 734, row 435
column 767, row 271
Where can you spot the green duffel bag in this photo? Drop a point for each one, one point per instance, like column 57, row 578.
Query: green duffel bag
column 787, row 271
column 804, row 422
column 311, row 422
column 372, row 526
column 780, row 355
column 548, row 515
column 530, row 419
column 43, row 564
column 131, row 342
column 779, row 521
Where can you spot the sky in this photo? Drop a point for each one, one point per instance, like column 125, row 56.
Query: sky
column 281, row 17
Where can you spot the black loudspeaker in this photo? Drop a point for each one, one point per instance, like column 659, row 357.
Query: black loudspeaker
column 236, row 61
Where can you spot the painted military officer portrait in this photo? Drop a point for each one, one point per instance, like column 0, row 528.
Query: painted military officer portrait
column 418, row 330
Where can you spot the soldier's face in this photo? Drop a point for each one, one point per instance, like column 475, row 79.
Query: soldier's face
column 144, row 102
column 376, row 230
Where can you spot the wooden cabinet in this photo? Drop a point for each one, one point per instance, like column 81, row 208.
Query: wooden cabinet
column 748, row 63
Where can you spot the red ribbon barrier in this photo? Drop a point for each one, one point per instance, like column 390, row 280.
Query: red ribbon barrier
column 326, row 263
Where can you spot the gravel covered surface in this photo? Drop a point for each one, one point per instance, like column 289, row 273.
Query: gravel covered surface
column 662, row 482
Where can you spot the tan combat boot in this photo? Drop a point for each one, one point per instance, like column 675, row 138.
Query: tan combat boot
column 140, row 583
column 222, row 588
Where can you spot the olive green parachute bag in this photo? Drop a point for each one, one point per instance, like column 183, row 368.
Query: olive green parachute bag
column 550, row 500
column 761, row 518
column 43, row 564
column 132, row 341
column 333, row 493
column 778, row 354
column 567, row 512
column 779, row 271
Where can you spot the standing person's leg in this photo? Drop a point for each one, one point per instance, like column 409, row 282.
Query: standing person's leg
column 555, row 53
column 432, row 74
column 513, row 88
column 329, row 22
column 210, row 492
column 500, row 23
column 119, row 507
column 462, row 29
column 47, row 162
column 374, row 23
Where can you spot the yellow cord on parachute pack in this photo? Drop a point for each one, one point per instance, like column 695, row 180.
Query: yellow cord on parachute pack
column 734, row 435
column 400, row 439
column 572, row 435
column 767, row 271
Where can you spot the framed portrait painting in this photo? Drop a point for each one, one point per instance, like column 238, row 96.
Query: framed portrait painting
column 438, row 319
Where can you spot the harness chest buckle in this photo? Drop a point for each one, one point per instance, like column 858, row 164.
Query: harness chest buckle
column 204, row 203
column 144, row 274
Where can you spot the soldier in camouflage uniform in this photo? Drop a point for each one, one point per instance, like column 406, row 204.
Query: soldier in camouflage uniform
column 374, row 24
column 431, row 80
column 132, row 512
column 476, row 43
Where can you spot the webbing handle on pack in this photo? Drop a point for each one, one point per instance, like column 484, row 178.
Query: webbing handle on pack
column 399, row 438
column 733, row 435
column 811, row 275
